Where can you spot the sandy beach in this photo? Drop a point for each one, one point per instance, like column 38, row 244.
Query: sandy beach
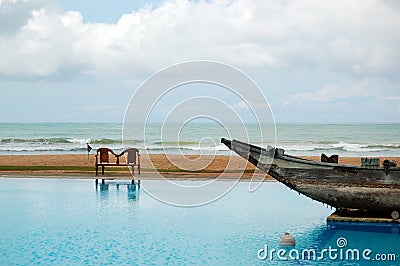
column 79, row 166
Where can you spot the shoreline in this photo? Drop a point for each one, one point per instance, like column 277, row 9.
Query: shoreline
column 72, row 166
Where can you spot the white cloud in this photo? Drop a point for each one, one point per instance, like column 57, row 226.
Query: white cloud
column 242, row 105
column 335, row 92
column 14, row 14
column 395, row 99
column 337, row 35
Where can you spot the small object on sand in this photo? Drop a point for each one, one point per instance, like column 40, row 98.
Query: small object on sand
column 287, row 240
column 332, row 159
column 88, row 148
column 370, row 162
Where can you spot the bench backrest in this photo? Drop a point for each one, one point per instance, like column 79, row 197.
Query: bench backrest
column 104, row 158
column 104, row 154
column 132, row 155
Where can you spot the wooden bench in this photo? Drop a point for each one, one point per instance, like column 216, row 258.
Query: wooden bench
column 103, row 159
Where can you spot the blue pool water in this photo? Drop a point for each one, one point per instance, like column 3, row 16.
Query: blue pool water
column 73, row 222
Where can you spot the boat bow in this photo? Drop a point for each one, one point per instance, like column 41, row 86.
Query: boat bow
column 341, row 186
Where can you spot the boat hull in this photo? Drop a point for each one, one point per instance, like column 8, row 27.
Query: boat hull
column 340, row 186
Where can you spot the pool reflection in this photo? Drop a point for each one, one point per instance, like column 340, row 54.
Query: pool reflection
column 132, row 190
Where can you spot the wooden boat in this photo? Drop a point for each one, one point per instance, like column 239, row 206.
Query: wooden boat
column 368, row 187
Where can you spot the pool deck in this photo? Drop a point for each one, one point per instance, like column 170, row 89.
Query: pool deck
column 359, row 217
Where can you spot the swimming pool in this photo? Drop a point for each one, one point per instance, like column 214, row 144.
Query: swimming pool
column 73, row 222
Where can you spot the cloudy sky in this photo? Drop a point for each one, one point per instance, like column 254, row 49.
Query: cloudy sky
column 315, row 61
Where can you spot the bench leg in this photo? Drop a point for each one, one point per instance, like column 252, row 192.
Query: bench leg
column 102, row 169
column 97, row 170
column 132, row 169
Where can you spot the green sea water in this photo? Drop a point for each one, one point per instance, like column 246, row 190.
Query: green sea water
column 201, row 138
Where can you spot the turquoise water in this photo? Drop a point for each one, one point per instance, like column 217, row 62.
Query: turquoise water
column 297, row 139
column 73, row 222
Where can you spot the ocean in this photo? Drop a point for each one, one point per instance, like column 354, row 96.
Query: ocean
column 309, row 139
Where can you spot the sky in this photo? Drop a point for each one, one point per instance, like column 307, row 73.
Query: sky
column 315, row 61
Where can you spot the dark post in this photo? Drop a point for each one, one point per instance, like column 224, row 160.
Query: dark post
column 88, row 150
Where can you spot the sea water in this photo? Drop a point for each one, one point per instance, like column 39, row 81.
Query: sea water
column 297, row 139
column 75, row 222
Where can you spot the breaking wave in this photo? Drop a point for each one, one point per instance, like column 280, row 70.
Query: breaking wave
column 49, row 141
column 341, row 148
column 310, row 139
